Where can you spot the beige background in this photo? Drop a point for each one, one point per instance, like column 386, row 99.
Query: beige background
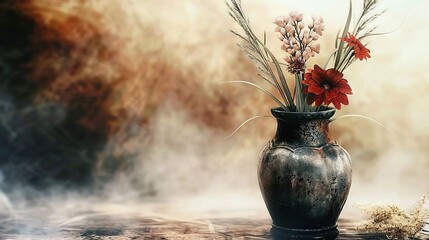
column 173, row 56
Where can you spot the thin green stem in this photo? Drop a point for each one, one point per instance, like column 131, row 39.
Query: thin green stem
column 245, row 122
column 282, row 79
column 345, row 31
column 364, row 117
column 329, row 59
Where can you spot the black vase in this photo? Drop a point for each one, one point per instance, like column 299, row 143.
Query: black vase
column 304, row 176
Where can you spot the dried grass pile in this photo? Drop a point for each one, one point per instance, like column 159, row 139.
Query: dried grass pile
column 395, row 222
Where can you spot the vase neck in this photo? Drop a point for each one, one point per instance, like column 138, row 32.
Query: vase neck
column 303, row 132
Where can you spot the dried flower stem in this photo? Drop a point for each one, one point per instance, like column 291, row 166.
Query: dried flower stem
column 261, row 56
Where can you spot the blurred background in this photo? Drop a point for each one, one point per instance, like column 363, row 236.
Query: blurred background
column 121, row 101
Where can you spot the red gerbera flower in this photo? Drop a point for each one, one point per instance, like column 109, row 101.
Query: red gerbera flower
column 361, row 51
column 326, row 86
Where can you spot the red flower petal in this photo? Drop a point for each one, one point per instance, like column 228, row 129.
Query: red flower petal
column 317, row 76
column 319, row 73
column 326, row 86
column 311, row 98
column 342, row 98
column 316, row 89
column 337, row 104
column 335, row 75
column 360, row 51
column 344, row 87
column 331, row 94
column 319, row 100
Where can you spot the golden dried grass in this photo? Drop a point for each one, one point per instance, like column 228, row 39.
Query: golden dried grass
column 395, row 222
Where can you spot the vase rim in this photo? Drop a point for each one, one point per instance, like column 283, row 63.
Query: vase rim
column 279, row 112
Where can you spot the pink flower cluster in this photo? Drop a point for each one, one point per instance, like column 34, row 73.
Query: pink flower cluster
column 298, row 39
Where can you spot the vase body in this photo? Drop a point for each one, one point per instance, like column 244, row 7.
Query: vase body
column 304, row 176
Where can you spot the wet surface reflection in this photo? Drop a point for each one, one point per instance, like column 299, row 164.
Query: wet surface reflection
column 93, row 225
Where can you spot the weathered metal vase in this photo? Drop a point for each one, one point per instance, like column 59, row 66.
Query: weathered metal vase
column 304, row 176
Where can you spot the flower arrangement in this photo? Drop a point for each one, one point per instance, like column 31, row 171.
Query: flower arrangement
column 315, row 89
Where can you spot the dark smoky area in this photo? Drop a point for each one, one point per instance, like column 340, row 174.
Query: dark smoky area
column 70, row 88
column 56, row 112
column 95, row 99
column 116, row 110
